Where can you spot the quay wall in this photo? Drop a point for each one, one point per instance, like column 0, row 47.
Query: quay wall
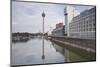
column 85, row 44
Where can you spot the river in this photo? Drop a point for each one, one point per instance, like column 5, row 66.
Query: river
column 41, row 51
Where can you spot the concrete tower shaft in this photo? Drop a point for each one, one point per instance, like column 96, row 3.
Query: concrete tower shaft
column 66, row 20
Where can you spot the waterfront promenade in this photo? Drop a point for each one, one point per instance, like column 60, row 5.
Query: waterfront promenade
column 85, row 44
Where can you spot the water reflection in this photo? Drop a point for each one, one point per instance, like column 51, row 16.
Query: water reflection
column 74, row 54
column 21, row 40
column 24, row 39
column 63, row 51
column 41, row 51
column 43, row 56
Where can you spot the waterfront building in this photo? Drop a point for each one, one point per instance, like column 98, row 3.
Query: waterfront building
column 59, row 30
column 59, row 25
column 69, row 13
column 84, row 25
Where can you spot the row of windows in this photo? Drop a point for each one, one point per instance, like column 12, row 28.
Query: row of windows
column 85, row 23
column 82, row 26
column 81, row 30
column 85, row 18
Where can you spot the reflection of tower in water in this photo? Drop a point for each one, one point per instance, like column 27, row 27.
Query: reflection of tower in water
column 43, row 56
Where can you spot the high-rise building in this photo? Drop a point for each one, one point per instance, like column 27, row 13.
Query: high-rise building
column 69, row 12
column 66, row 20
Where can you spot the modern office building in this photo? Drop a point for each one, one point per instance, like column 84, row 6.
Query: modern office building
column 84, row 25
column 69, row 13
column 59, row 30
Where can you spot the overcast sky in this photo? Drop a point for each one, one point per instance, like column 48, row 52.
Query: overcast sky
column 26, row 16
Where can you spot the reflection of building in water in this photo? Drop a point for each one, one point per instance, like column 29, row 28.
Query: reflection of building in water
column 71, row 55
column 63, row 51
column 84, row 25
column 59, row 48
column 59, row 30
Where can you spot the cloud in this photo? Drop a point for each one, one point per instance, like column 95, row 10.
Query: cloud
column 26, row 16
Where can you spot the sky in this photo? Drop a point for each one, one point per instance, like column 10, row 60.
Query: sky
column 26, row 16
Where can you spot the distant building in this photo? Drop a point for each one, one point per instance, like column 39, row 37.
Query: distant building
column 84, row 25
column 59, row 30
column 59, row 25
column 69, row 13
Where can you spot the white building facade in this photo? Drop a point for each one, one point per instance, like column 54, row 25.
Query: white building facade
column 84, row 25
